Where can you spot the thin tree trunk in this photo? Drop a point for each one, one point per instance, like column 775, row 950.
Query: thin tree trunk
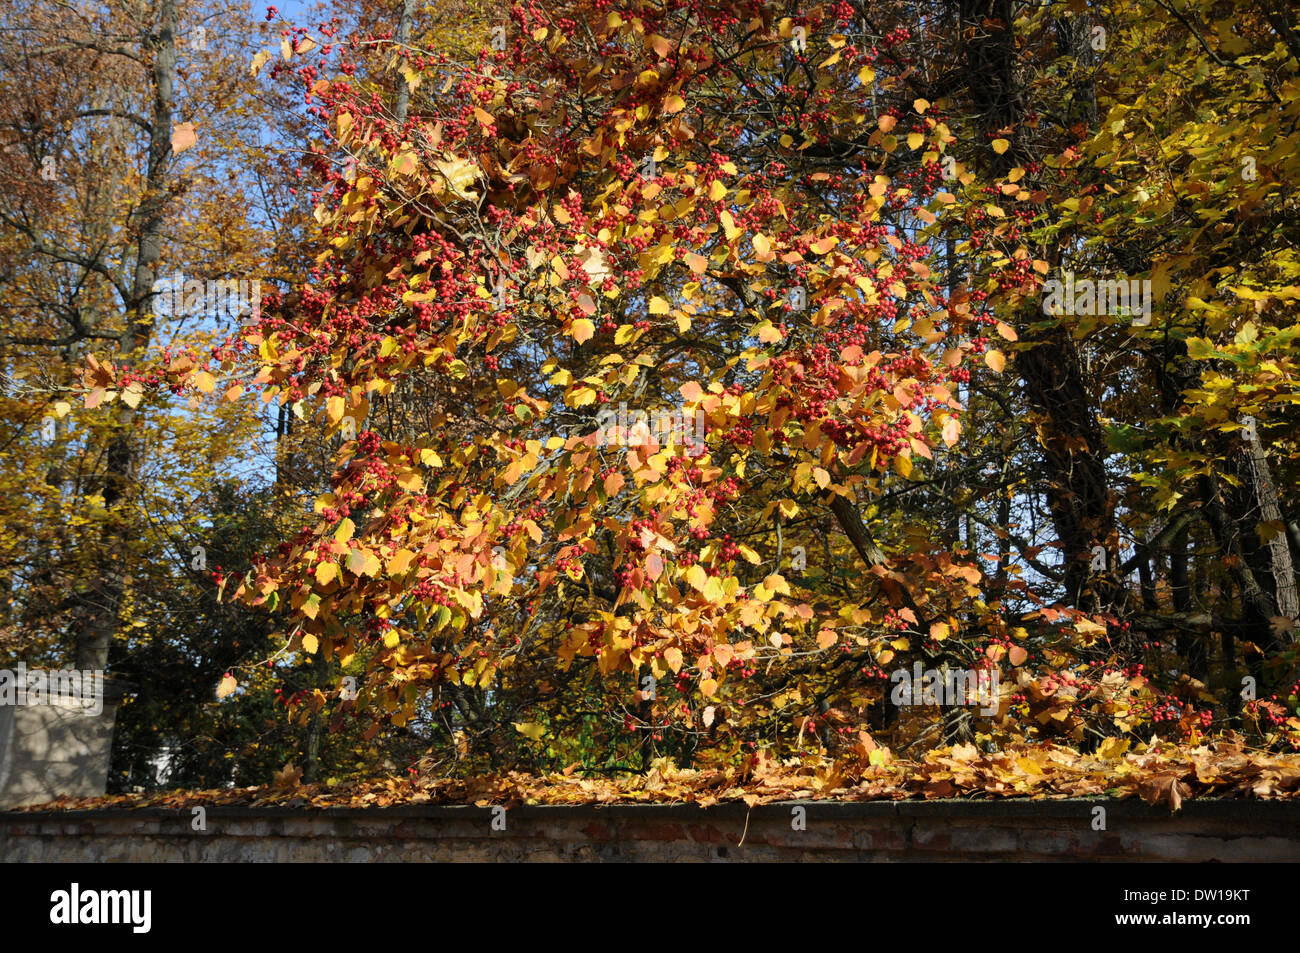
column 103, row 616
column 1279, row 550
column 404, row 38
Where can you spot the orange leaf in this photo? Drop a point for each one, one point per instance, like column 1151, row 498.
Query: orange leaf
column 951, row 431
column 183, row 136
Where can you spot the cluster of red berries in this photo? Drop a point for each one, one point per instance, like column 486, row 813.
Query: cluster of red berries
column 427, row 591
column 729, row 550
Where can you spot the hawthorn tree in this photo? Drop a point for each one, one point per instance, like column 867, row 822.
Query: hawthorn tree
column 824, row 234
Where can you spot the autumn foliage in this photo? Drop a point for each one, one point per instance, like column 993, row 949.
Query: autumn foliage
column 819, row 239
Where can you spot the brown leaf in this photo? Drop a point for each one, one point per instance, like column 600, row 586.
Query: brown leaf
column 287, row 777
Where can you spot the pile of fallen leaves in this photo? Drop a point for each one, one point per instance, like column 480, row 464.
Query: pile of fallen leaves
column 1159, row 773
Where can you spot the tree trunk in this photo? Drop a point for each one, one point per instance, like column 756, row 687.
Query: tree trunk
column 103, row 615
column 404, row 38
column 1276, row 554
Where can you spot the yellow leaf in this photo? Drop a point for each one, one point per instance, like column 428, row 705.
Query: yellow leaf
column 1112, row 749
column 345, row 530
column 227, row 685
column 530, row 729
column 776, row 582
column 658, row 305
column 673, row 104
column 460, row 175
column 729, row 225
column 583, row 330
column 717, row 191
column 310, row 644
column 326, row 571
column 1001, row 145
column 995, row 360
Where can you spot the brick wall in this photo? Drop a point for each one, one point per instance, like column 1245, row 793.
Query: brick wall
column 859, row 831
